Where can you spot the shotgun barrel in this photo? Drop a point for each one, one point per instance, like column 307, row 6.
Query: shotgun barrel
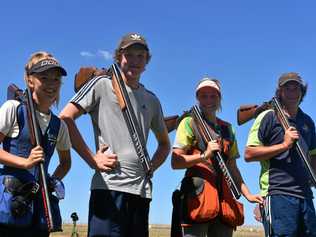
column 208, row 136
column 130, row 119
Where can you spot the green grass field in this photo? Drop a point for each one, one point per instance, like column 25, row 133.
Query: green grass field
column 161, row 231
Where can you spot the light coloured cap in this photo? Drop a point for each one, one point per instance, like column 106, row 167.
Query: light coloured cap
column 208, row 82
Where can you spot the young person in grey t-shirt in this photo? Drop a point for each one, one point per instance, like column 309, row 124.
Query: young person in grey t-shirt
column 120, row 191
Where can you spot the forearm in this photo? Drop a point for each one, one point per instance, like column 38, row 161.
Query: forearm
column 241, row 184
column 64, row 165
column 160, row 156
column 181, row 160
column 78, row 142
column 236, row 175
column 11, row 160
column 261, row 153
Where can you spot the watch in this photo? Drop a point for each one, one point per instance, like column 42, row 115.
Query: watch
column 203, row 157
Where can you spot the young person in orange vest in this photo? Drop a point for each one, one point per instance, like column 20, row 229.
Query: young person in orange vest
column 184, row 156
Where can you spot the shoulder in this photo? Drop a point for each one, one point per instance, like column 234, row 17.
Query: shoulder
column 185, row 123
column 265, row 117
column 9, row 104
column 9, row 108
column 96, row 81
column 226, row 128
column 149, row 93
column 306, row 117
column 91, row 86
column 224, row 123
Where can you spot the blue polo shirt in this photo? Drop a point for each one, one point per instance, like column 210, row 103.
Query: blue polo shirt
column 284, row 173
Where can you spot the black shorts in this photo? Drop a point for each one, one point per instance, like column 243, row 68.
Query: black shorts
column 113, row 213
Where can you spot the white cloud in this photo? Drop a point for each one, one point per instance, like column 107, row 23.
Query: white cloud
column 104, row 54
column 100, row 53
column 86, row 54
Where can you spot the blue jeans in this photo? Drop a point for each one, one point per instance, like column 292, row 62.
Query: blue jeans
column 291, row 216
column 117, row 214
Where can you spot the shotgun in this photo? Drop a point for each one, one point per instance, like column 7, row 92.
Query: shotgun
column 298, row 144
column 208, row 135
column 85, row 74
column 14, row 92
column 171, row 122
column 248, row 112
column 130, row 119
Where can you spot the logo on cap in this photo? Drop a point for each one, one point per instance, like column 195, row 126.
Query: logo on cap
column 48, row 62
column 136, row 37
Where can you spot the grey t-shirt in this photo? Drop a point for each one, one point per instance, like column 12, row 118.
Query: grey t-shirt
column 98, row 99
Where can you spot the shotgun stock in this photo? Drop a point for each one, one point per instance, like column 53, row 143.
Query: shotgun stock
column 248, row 112
column 13, row 92
column 85, row 74
column 171, row 122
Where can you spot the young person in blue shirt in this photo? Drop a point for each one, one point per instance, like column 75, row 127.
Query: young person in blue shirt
column 283, row 180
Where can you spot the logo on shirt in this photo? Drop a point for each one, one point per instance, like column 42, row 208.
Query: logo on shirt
column 51, row 139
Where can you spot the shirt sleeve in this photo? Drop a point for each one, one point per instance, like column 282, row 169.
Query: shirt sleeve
column 312, row 150
column 8, row 117
column 234, row 152
column 253, row 136
column 63, row 139
column 88, row 96
column 158, row 124
column 184, row 138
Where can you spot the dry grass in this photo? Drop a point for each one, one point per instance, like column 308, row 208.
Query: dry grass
column 160, row 231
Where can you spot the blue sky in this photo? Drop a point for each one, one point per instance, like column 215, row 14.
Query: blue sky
column 246, row 44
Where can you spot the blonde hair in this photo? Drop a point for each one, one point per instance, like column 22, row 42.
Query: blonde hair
column 35, row 58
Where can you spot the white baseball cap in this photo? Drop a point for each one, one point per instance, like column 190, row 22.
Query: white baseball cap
column 208, row 82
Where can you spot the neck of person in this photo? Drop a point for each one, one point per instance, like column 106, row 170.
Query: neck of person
column 131, row 82
column 41, row 107
column 210, row 116
column 291, row 110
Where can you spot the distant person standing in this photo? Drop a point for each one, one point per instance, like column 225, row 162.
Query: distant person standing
column 120, row 191
column 284, row 181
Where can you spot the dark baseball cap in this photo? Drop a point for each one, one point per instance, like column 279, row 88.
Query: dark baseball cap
column 131, row 39
column 290, row 76
column 45, row 64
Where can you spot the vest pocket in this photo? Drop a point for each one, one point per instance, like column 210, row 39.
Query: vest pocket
column 16, row 201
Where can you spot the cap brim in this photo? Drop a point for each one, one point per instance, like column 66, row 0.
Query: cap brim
column 134, row 43
column 288, row 80
column 50, row 66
